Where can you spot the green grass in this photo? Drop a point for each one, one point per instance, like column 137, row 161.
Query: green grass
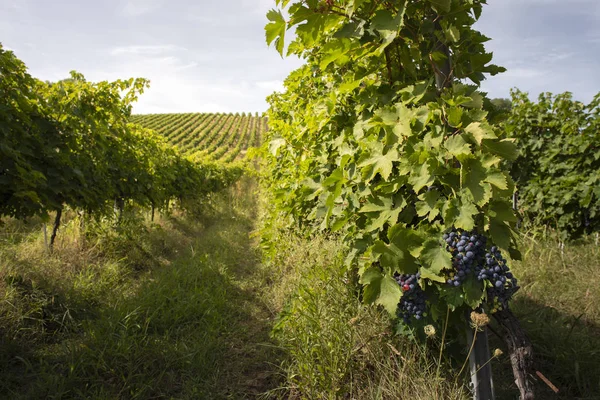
column 170, row 310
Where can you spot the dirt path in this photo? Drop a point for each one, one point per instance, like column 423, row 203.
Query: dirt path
column 249, row 365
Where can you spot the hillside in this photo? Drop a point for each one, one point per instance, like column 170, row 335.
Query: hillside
column 224, row 137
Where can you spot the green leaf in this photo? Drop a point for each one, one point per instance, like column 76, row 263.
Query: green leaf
column 275, row 144
column 504, row 148
column 500, row 234
column 428, row 205
column 385, row 211
column 381, row 289
column 455, row 116
column 474, row 181
column 379, row 163
column 434, row 259
column 441, row 5
column 402, row 129
column 389, row 294
column 457, row 146
column 396, row 256
column 275, row 30
column 420, row 177
column 465, row 220
column 473, row 292
column 371, row 278
column 452, row 34
column 501, row 211
column 454, row 296
column 497, row 179
column 480, row 131
column 351, row 30
column 388, row 25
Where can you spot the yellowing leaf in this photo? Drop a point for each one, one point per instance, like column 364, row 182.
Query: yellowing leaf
column 480, row 131
column 457, row 146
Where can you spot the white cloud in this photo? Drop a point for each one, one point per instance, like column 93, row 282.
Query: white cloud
column 270, row 86
column 146, row 50
column 259, row 6
column 134, row 8
column 523, row 73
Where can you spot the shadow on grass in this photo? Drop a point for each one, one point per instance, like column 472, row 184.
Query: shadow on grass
column 193, row 329
column 566, row 351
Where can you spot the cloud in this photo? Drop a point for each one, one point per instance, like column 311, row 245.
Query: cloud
column 271, row 86
column 146, row 50
column 134, row 8
column 523, row 73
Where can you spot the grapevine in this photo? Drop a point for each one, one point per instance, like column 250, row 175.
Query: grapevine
column 383, row 138
column 71, row 144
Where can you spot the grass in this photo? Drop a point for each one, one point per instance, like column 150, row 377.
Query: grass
column 559, row 307
column 165, row 310
column 338, row 349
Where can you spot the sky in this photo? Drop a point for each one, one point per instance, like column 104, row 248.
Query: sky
column 211, row 56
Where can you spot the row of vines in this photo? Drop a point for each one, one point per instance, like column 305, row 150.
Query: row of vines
column 221, row 137
column 71, row 144
column 558, row 169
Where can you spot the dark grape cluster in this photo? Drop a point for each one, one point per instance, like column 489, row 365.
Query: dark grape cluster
column 495, row 270
column 412, row 303
column 467, row 249
column 470, row 258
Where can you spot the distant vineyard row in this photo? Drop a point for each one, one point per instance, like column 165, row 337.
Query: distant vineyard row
column 224, row 137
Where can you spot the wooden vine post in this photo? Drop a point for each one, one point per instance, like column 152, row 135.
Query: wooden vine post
column 520, row 351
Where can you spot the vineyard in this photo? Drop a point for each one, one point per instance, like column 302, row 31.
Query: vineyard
column 221, row 137
column 384, row 230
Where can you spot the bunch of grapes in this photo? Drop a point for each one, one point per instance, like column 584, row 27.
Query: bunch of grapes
column 495, row 270
column 467, row 249
column 412, row 303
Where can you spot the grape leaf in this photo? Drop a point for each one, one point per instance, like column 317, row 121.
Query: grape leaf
column 275, row 30
column 473, row 292
column 465, row 220
column 434, row 259
column 505, row 148
column 457, row 146
column 428, row 205
column 379, row 163
column 396, row 256
column 497, row 179
column 443, row 5
column 480, row 131
column 420, row 177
